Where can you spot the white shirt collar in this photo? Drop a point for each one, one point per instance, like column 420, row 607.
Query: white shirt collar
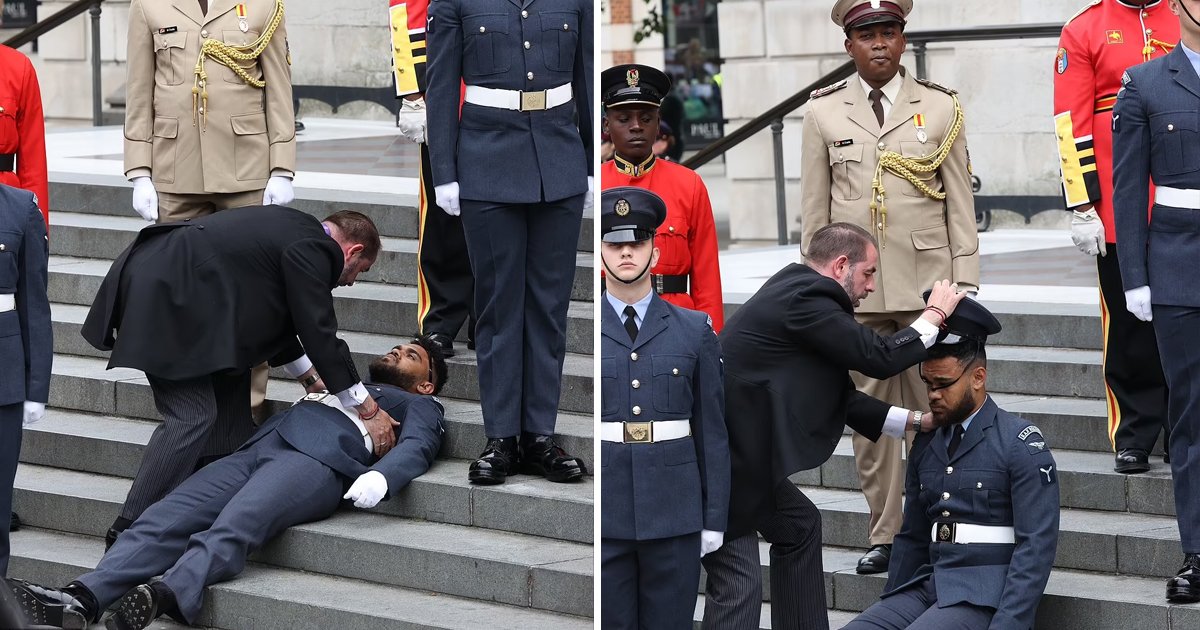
column 890, row 91
column 639, row 307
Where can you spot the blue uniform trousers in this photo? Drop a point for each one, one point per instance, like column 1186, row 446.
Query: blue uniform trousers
column 1176, row 328
column 10, row 451
column 201, row 533
column 915, row 608
column 649, row 584
column 523, row 259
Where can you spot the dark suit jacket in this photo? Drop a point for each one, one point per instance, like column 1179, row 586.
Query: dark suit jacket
column 788, row 394
column 26, row 336
column 331, row 438
column 223, row 293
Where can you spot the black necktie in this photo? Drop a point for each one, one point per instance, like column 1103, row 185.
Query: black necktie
column 204, row 9
column 955, row 440
column 631, row 323
column 876, row 97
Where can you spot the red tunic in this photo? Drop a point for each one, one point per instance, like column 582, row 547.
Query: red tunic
column 1096, row 47
column 687, row 240
column 22, row 129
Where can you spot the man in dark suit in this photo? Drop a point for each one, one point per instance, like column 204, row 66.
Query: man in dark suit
column 664, row 452
column 518, row 162
column 26, row 336
column 788, row 352
column 196, row 304
column 981, row 502
column 294, row 470
column 1155, row 137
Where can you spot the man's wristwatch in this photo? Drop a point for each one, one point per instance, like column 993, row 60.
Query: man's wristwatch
column 308, row 382
column 916, row 423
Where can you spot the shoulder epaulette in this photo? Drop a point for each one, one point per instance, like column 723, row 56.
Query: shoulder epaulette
column 930, row 84
column 828, row 89
column 1080, row 12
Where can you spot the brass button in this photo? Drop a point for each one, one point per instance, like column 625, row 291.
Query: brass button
column 529, row 75
column 945, row 513
column 482, row 29
column 674, row 371
column 637, row 411
column 978, row 484
column 524, row 14
column 671, row 228
column 636, row 383
column 945, row 496
column 633, row 356
column 949, row 470
column 526, row 45
column 1148, row 31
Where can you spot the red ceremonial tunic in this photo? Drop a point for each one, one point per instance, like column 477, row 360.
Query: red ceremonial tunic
column 22, row 129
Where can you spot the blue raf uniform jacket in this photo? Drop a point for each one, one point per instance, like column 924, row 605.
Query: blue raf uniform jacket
column 26, row 340
column 672, row 372
column 1156, row 135
column 501, row 155
column 1001, row 474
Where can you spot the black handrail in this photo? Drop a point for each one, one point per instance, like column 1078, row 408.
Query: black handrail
column 54, row 21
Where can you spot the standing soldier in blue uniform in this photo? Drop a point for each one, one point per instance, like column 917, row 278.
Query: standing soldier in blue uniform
column 26, row 339
column 981, row 502
column 1155, row 136
column 517, row 162
column 664, row 450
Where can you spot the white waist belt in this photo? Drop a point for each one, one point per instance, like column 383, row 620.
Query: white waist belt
column 1177, row 197
column 965, row 533
column 331, row 400
column 8, row 302
column 518, row 100
column 645, row 432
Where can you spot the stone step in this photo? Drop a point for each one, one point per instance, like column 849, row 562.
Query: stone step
column 1047, row 371
column 84, row 384
column 269, row 598
column 524, row 504
column 1047, row 325
column 469, row 562
column 105, row 237
column 575, row 395
column 368, row 307
column 837, row 618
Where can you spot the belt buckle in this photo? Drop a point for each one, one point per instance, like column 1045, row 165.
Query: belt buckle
column 533, row 101
column 658, row 283
column 947, row 532
column 637, row 432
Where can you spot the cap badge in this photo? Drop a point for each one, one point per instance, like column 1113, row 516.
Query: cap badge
column 874, row 4
column 631, row 77
column 621, row 207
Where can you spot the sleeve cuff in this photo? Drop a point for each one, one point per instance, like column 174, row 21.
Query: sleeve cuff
column 282, row 172
column 298, row 367
column 896, row 422
column 138, row 172
column 354, row 396
column 928, row 331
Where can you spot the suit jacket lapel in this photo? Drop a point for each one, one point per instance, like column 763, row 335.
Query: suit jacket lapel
column 610, row 324
column 190, row 8
column 906, row 105
column 860, row 107
column 1185, row 73
column 655, row 322
column 217, row 8
column 974, row 435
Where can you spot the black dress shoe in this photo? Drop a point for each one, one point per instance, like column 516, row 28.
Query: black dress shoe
column 140, row 607
column 541, row 456
column 53, row 607
column 1132, row 461
column 445, row 341
column 1184, row 588
column 497, row 461
column 875, row 560
column 14, row 523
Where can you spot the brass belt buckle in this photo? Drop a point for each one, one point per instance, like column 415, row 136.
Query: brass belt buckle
column 946, row 532
column 533, row 101
column 638, row 433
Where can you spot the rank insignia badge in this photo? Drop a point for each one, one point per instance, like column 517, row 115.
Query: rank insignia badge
column 1114, row 37
column 621, row 208
column 1060, row 63
column 632, row 77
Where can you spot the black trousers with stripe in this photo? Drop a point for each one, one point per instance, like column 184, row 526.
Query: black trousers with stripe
column 445, row 286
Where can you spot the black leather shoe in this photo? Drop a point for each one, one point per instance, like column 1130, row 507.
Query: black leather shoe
column 14, row 523
column 541, row 456
column 875, row 560
column 497, row 461
column 138, row 609
column 1184, row 588
column 1132, row 461
column 445, row 341
column 48, row 606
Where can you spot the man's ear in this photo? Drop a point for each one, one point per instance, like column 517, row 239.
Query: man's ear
column 425, row 388
column 354, row 249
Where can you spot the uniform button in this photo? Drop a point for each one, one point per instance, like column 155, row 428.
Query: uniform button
column 978, row 484
column 922, row 486
column 671, row 228
column 945, row 496
column 841, row 158
column 674, row 371
column 1, row 247
column 567, row 28
column 945, row 513
column 636, row 383
column 526, row 45
column 1170, row 127
column 637, row 411
column 633, row 356
column 949, row 470
column 203, row 33
column 529, row 75
column 1148, row 31
column 201, row 110
column 882, row 146
column 524, row 14
column 482, row 29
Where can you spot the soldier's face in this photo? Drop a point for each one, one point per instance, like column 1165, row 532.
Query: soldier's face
column 633, row 129
column 876, row 51
column 406, row 366
column 954, row 389
column 627, row 261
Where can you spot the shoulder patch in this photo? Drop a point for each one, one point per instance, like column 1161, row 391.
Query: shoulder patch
column 1032, row 437
column 1047, row 474
column 1082, row 11
column 1027, row 431
column 930, row 84
column 828, row 89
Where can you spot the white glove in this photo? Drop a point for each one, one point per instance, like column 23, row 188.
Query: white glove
column 279, row 191
column 368, row 489
column 412, row 119
column 447, row 198
column 710, row 541
column 34, row 411
column 1088, row 232
column 145, row 198
column 589, row 201
column 1137, row 301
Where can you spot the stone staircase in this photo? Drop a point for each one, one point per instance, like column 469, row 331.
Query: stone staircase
column 442, row 554
column 1118, row 538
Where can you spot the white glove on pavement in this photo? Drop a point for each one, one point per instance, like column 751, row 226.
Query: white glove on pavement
column 279, row 191
column 34, row 411
column 1088, row 232
column 412, row 119
column 447, row 198
column 590, row 200
column 145, row 198
column 1137, row 301
column 368, row 489
column 710, row 541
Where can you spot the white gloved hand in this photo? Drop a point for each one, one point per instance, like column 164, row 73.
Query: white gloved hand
column 279, row 191
column 145, row 198
column 1088, row 232
column 710, row 541
column 590, row 201
column 368, row 489
column 412, row 119
column 447, row 198
column 34, row 411
column 1137, row 301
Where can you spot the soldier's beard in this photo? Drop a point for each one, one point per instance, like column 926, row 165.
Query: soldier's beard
column 956, row 414
column 380, row 371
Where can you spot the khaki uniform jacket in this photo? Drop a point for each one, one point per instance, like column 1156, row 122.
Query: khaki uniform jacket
column 250, row 131
column 925, row 240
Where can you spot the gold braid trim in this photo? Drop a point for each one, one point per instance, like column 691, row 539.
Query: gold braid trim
column 231, row 57
column 917, row 170
column 1151, row 43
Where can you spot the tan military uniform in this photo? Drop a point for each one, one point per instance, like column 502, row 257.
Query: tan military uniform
column 922, row 240
column 225, row 146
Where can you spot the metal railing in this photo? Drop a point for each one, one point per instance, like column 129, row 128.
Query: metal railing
column 58, row 19
column 773, row 118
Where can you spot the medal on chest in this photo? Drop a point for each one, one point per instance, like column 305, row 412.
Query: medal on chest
column 241, row 13
column 919, row 123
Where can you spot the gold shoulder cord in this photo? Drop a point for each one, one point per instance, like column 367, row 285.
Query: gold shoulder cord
column 231, row 57
column 908, row 168
column 1151, row 43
